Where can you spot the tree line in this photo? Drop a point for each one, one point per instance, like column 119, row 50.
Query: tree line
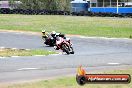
column 56, row 5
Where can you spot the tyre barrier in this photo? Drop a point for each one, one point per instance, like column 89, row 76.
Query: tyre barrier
column 100, row 14
column 32, row 12
column 51, row 12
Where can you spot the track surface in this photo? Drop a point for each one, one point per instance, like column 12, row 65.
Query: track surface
column 92, row 53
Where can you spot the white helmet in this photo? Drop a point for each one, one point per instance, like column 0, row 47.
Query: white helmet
column 53, row 32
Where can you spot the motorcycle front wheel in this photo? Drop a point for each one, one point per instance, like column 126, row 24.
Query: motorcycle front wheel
column 72, row 51
column 66, row 48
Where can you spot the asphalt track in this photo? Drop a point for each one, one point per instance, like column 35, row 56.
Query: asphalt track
column 93, row 53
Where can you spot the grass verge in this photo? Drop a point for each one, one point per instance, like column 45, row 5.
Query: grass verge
column 22, row 52
column 70, row 82
column 87, row 26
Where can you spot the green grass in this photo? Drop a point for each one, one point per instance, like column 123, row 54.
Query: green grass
column 88, row 26
column 70, row 82
column 17, row 52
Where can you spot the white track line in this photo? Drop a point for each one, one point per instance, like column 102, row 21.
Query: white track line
column 60, row 53
column 27, row 69
column 13, row 48
column 2, row 47
column 27, row 49
column 103, row 38
column 2, row 57
column 113, row 63
column 39, row 55
column 15, row 56
column 54, row 54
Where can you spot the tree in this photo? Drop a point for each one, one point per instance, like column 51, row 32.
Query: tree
column 14, row 3
column 46, row 4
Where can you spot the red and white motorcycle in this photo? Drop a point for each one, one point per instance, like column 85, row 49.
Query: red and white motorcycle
column 65, row 45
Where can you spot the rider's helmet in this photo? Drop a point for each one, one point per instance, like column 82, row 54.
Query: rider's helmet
column 53, row 33
column 57, row 34
column 43, row 31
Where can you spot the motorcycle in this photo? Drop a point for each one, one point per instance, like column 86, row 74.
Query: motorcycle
column 65, row 45
column 48, row 40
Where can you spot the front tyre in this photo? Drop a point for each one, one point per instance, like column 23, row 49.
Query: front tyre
column 72, row 51
column 65, row 48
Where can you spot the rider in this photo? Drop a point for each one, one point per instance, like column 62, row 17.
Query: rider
column 45, row 34
column 56, row 36
column 53, row 34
